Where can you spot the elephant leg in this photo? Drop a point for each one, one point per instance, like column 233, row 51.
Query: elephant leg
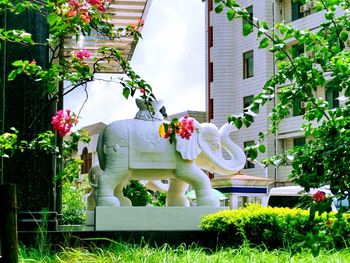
column 176, row 193
column 108, row 182
column 193, row 175
column 118, row 192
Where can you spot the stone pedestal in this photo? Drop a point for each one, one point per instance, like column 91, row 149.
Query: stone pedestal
column 151, row 218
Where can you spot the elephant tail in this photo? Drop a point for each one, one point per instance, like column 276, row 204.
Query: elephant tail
column 100, row 150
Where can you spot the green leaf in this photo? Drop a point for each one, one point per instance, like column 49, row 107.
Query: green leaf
column 264, row 43
column 219, row 8
column 51, row 19
column 231, row 14
column 262, row 148
column 343, row 36
column 253, row 153
column 280, row 55
column 238, row 123
column 18, row 63
column 27, row 38
column 12, row 75
column 247, row 29
column 126, row 92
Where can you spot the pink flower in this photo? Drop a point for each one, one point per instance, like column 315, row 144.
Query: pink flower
column 63, row 122
column 319, row 196
column 71, row 13
column 100, row 4
column 33, row 62
column 186, row 127
column 82, row 54
column 86, row 17
column 140, row 22
column 143, row 91
column 74, row 3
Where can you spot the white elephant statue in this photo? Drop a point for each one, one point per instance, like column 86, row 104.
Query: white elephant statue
column 133, row 150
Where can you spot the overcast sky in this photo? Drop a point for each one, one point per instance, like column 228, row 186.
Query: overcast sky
column 170, row 57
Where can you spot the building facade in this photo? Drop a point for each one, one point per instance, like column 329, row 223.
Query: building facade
column 236, row 70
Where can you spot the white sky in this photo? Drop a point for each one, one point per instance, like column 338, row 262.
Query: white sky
column 170, row 57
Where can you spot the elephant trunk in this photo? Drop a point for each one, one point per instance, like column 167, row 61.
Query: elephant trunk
column 215, row 161
column 238, row 158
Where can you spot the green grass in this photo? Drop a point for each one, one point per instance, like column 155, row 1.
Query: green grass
column 123, row 252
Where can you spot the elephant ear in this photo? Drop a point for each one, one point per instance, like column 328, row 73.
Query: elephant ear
column 189, row 148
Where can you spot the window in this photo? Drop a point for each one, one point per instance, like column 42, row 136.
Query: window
column 298, row 107
column 247, row 23
column 248, row 165
column 211, row 72
column 247, row 101
column 211, row 109
column 299, row 141
column 296, row 14
column 86, row 157
column 297, row 50
column 332, row 98
column 210, row 36
column 248, row 64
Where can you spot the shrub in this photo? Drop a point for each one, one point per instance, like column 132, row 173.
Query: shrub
column 274, row 227
column 137, row 193
column 73, row 205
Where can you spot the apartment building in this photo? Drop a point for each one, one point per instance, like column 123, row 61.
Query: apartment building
column 236, row 70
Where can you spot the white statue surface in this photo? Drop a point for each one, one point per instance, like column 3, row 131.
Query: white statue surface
column 133, row 150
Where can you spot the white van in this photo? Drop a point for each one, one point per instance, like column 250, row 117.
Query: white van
column 288, row 196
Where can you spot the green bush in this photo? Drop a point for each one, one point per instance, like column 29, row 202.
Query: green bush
column 73, row 205
column 275, row 227
column 137, row 193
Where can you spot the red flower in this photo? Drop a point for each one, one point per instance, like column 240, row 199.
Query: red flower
column 319, row 196
column 82, row 54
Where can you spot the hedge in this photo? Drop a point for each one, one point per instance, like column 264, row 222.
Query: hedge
column 275, row 227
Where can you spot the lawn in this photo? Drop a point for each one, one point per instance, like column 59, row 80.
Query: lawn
column 123, row 252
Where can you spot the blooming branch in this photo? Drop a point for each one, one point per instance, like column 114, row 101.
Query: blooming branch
column 63, row 122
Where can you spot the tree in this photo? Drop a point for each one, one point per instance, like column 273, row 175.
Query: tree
column 325, row 157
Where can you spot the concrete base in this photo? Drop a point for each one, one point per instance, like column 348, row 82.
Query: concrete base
column 90, row 218
column 151, row 218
